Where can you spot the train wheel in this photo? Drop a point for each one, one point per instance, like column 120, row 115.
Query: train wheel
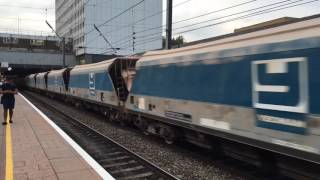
column 78, row 105
column 136, row 122
column 112, row 117
column 123, row 121
column 106, row 114
column 168, row 135
column 145, row 132
column 144, row 127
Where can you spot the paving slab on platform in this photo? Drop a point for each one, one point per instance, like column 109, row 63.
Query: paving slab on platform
column 39, row 152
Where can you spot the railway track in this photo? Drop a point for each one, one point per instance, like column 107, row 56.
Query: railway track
column 120, row 162
column 245, row 170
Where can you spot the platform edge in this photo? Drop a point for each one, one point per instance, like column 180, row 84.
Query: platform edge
column 93, row 163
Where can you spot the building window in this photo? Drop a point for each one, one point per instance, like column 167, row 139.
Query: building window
column 10, row 40
column 36, row 42
column 82, row 61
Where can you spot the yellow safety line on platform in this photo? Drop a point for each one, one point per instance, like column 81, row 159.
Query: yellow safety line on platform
column 9, row 161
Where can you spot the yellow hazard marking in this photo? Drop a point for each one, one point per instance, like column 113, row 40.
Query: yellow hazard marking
column 9, row 161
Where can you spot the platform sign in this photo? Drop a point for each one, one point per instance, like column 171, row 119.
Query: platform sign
column 280, row 94
column 92, row 86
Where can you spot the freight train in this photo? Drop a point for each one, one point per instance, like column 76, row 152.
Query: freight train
column 259, row 88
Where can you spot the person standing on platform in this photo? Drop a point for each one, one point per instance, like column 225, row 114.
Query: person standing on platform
column 8, row 91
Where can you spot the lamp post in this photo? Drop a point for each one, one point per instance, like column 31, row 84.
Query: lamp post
column 169, row 24
column 62, row 39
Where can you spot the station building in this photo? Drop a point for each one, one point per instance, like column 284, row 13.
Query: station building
column 137, row 30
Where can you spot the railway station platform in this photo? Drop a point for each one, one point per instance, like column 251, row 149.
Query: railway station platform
column 33, row 148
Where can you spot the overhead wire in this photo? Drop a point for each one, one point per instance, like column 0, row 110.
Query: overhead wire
column 242, row 12
column 226, row 16
column 212, row 12
column 245, row 16
column 114, row 17
column 142, row 19
column 128, row 38
column 251, row 15
column 217, row 18
column 216, row 11
column 152, row 15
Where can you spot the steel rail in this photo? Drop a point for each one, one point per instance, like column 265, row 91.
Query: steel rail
column 119, row 161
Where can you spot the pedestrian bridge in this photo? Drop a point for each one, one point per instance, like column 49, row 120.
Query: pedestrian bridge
column 26, row 54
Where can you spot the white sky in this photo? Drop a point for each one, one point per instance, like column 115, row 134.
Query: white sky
column 32, row 20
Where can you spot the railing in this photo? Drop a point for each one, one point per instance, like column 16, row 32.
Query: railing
column 26, row 32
